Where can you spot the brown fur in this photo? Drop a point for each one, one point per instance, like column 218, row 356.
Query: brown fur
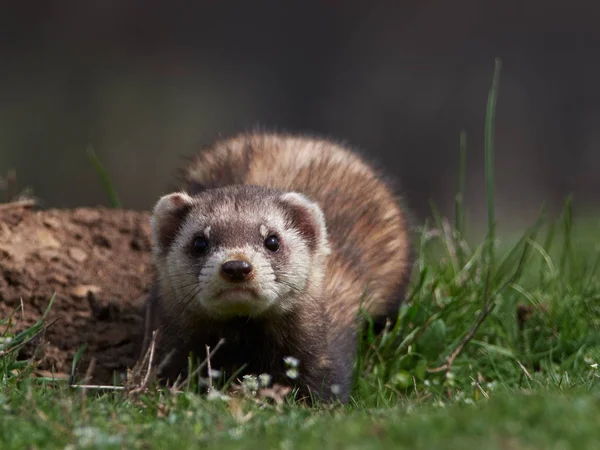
column 370, row 261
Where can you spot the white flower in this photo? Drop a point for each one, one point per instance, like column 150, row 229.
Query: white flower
column 214, row 373
column 217, row 395
column 250, row 382
column 291, row 361
column 264, row 379
column 236, row 433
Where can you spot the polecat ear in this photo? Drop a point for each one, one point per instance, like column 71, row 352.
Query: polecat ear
column 167, row 216
column 308, row 218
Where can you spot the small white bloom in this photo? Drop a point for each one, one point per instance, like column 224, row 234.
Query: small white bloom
column 214, row 373
column 292, row 373
column 264, row 379
column 236, row 433
column 5, row 342
column 250, row 382
column 217, row 395
column 291, row 361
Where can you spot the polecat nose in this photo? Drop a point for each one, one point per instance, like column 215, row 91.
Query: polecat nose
column 236, row 270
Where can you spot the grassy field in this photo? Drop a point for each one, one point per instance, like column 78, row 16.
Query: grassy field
column 498, row 346
column 526, row 377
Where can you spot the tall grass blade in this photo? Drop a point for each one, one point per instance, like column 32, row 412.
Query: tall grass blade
column 567, row 225
column 462, row 183
column 489, row 157
column 75, row 362
column 113, row 197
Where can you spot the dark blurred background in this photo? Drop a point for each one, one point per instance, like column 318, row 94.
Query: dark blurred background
column 146, row 83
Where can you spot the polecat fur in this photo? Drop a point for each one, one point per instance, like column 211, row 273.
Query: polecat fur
column 275, row 244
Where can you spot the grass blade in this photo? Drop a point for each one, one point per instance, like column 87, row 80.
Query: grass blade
column 489, row 156
column 462, row 183
column 113, row 197
column 75, row 362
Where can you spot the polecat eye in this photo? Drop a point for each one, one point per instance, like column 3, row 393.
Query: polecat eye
column 199, row 246
column 272, row 243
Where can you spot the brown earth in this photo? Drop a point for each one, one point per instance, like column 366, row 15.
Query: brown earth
column 98, row 263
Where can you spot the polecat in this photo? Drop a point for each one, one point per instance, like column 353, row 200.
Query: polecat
column 274, row 245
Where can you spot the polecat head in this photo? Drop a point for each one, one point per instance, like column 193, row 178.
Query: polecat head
column 239, row 250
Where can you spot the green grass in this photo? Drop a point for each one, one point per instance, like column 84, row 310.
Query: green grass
column 496, row 347
column 111, row 192
column 542, row 419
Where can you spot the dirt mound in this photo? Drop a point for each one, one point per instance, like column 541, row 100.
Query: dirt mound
column 98, row 263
